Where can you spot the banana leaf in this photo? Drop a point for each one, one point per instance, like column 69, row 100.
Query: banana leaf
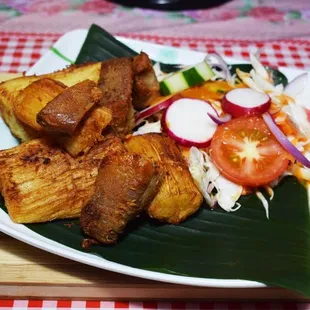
column 215, row 244
column 100, row 45
column 210, row 244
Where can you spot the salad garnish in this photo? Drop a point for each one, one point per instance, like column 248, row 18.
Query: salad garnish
column 214, row 187
column 240, row 133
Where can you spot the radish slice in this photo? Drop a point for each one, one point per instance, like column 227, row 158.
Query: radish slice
column 245, row 101
column 187, row 121
column 297, row 85
column 153, row 109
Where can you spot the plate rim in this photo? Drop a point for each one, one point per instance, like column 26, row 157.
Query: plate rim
column 26, row 235
column 59, row 249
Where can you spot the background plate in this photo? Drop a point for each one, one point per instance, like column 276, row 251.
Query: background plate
column 63, row 53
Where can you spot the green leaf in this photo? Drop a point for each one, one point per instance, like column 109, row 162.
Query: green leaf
column 211, row 244
column 100, row 45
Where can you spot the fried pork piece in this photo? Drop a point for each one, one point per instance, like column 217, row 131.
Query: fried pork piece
column 116, row 80
column 178, row 196
column 88, row 133
column 40, row 182
column 9, row 91
column 63, row 113
column 145, row 86
column 125, row 186
column 33, row 98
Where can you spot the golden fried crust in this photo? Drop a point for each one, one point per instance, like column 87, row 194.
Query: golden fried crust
column 40, row 182
column 116, row 80
column 178, row 196
column 141, row 63
column 9, row 91
column 88, row 133
column 126, row 185
column 30, row 101
column 146, row 85
column 64, row 112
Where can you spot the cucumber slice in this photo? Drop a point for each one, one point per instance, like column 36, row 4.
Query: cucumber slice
column 186, row 78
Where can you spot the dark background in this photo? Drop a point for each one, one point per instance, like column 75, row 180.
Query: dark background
column 171, row 4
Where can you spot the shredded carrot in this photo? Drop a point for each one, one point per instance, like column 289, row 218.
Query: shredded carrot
column 209, row 90
column 286, row 124
column 284, row 99
column 307, row 147
column 159, row 99
column 274, row 108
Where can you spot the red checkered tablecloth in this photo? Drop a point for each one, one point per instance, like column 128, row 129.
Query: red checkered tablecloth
column 19, row 51
column 242, row 26
column 111, row 305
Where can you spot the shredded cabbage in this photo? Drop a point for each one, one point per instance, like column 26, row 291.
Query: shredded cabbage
column 205, row 174
column 147, row 128
column 264, row 201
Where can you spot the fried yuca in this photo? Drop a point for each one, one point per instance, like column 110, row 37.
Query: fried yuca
column 33, row 98
column 40, row 182
column 88, row 133
column 178, row 196
column 10, row 90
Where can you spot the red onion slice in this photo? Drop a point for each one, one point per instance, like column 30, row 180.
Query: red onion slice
column 187, row 121
column 220, row 63
column 245, row 101
column 153, row 109
column 282, row 139
column 220, row 120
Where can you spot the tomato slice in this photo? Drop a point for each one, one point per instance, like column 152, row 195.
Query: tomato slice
column 247, row 153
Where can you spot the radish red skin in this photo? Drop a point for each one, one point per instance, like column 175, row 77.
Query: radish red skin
column 236, row 110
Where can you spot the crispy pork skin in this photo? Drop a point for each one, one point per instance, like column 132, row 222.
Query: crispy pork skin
column 145, row 86
column 116, row 82
column 64, row 112
column 126, row 185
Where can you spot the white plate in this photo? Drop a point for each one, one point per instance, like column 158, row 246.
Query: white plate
column 69, row 45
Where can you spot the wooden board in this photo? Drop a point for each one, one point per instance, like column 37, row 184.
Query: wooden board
column 27, row 272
